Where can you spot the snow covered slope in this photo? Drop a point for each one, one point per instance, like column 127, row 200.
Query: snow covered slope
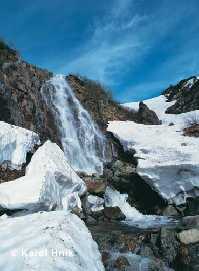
column 48, row 241
column 15, row 143
column 159, row 105
column 49, row 182
column 169, row 162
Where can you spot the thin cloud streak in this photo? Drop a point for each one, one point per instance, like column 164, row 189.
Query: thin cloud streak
column 111, row 46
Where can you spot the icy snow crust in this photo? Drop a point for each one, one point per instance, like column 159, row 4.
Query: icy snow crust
column 169, row 161
column 49, row 183
column 95, row 203
column 15, row 143
column 62, row 239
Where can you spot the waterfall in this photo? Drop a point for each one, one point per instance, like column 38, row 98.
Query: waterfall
column 82, row 142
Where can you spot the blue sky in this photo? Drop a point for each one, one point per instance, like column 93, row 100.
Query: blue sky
column 135, row 47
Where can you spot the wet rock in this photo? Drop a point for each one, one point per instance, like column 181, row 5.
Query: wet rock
column 187, row 258
column 169, row 245
column 170, row 210
column 91, row 220
column 123, row 177
column 117, row 151
column 121, row 263
column 189, row 236
column 121, row 168
column 95, row 186
column 106, row 256
column 98, row 215
column 190, row 221
column 146, row 251
column 113, row 213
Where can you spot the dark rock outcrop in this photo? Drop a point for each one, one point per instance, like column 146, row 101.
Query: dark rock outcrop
column 113, row 213
column 146, row 115
column 7, row 174
column 186, row 94
column 121, row 173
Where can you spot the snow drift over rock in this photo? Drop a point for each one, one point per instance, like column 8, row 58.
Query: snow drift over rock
column 49, row 182
column 169, row 161
column 15, row 143
column 47, row 241
column 113, row 198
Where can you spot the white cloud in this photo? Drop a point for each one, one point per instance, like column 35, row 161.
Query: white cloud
column 113, row 44
column 122, row 38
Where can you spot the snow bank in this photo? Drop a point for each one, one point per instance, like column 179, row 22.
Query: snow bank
column 52, row 241
column 49, row 183
column 15, row 143
column 169, row 161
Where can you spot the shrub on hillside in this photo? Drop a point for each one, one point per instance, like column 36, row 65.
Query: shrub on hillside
column 6, row 53
column 192, row 125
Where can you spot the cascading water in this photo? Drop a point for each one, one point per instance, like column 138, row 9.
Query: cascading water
column 82, row 142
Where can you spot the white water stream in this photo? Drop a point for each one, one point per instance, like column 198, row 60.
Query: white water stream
column 83, row 143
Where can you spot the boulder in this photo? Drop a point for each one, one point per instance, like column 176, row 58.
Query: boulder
column 147, row 116
column 113, row 213
column 189, row 236
column 190, row 221
column 94, row 185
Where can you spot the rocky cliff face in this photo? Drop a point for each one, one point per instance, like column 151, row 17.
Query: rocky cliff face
column 186, row 94
column 21, row 101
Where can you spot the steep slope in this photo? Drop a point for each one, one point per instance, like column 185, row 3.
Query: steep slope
column 21, row 101
column 98, row 102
